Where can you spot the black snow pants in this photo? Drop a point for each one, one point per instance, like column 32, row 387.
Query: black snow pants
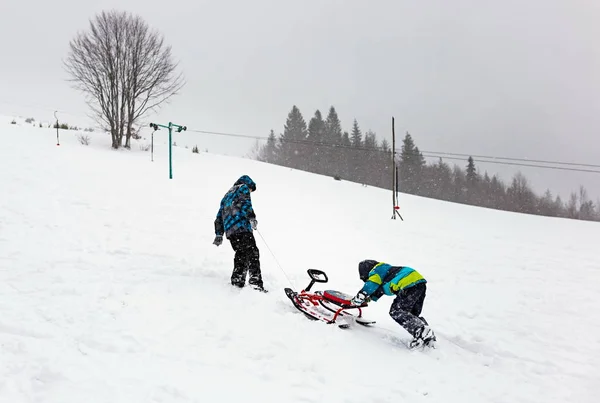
column 406, row 308
column 246, row 260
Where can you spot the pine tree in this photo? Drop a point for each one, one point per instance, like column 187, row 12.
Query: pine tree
column 411, row 165
column 443, row 184
column 459, row 182
column 270, row 150
column 333, row 127
column 471, row 172
column 316, row 138
column 385, row 146
column 333, row 137
column 293, row 140
column 357, row 166
column 384, row 161
column 370, row 157
column 345, row 155
column 473, row 195
column 356, row 137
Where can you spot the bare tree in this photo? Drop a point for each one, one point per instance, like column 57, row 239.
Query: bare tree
column 572, row 211
column 520, row 194
column 125, row 70
column 583, row 196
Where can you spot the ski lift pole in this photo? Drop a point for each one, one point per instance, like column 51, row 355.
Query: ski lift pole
column 57, row 139
column 395, row 175
column 152, row 146
column 170, row 126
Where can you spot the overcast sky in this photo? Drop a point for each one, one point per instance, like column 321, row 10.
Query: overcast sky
column 516, row 78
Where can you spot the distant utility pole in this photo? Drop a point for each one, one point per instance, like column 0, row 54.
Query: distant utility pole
column 170, row 127
column 394, row 176
column 57, row 139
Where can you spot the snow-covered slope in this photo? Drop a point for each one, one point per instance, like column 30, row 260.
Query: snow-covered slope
column 111, row 289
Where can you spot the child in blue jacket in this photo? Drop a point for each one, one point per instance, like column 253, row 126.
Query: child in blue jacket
column 236, row 220
column 409, row 287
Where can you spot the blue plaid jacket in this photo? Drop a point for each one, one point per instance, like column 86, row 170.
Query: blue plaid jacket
column 235, row 211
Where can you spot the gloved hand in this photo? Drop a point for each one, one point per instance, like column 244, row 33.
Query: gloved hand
column 254, row 223
column 218, row 240
column 359, row 299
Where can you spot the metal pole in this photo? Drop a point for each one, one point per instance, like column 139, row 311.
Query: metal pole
column 393, row 169
column 395, row 176
column 57, row 139
column 397, row 187
column 155, row 126
column 170, row 153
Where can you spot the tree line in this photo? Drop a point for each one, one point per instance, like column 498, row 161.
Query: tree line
column 321, row 146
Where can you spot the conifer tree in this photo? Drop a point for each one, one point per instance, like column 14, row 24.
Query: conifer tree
column 356, row 136
column 357, row 165
column 316, row 147
column 471, row 171
column 473, row 195
column 333, row 137
column 270, row 149
column 293, row 148
column 370, row 157
column 384, row 164
column 345, row 153
column 385, row 146
column 412, row 162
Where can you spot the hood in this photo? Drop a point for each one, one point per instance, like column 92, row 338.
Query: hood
column 365, row 267
column 246, row 180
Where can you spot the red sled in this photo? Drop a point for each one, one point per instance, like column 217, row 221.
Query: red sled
column 329, row 306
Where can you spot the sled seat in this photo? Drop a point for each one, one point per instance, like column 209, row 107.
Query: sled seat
column 337, row 297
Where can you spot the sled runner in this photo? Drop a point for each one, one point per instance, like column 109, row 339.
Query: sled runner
column 329, row 306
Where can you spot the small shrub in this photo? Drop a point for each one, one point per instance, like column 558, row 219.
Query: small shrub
column 145, row 147
column 14, row 122
column 195, row 150
column 29, row 120
column 85, row 140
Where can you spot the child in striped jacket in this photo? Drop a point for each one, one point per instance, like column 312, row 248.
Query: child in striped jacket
column 408, row 286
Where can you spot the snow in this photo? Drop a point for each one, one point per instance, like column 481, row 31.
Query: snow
column 111, row 289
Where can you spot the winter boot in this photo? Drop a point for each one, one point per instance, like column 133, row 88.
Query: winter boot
column 259, row 288
column 424, row 336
